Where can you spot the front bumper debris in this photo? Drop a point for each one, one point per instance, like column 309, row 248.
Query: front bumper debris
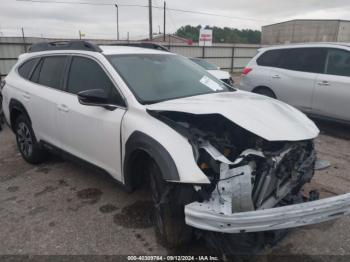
column 201, row 215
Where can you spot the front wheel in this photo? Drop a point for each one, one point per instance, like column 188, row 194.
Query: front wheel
column 26, row 141
column 168, row 214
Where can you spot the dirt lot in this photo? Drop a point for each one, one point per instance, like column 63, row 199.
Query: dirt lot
column 62, row 208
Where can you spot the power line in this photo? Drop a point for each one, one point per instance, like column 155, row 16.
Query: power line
column 146, row 6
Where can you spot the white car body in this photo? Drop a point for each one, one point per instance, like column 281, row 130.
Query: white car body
column 107, row 139
column 320, row 91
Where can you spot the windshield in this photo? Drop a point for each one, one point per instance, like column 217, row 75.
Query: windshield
column 158, row 77
column 203, row 63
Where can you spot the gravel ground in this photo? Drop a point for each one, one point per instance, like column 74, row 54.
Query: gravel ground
column 62, row 208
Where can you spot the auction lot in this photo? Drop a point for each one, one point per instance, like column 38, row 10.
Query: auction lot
column 62, row 208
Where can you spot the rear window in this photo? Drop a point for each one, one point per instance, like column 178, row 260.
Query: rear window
column 270, row 58
column 49, row 72
column 26, row 68
column 310, row 60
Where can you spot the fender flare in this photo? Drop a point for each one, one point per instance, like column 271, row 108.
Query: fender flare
column 17, row 105
column 140, row 141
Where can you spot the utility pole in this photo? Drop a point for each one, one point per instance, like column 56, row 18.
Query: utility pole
column 150, row 19
column 117, row 21
column 24, row 41
column 164, row 21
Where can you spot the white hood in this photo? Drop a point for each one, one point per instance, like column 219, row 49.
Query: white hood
column 268, row 118
column 219, row 74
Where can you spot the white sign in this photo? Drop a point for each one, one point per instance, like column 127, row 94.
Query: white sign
column 205, row 37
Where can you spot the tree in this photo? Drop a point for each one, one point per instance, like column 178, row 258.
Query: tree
column 189, row 32
column 222, row 35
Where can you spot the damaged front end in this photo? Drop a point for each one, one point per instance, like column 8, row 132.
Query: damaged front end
column 255, row 184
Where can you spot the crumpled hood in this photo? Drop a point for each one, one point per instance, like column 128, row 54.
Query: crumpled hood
column 268, row 118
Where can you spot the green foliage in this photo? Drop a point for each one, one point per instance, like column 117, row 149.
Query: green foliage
column 222, row 35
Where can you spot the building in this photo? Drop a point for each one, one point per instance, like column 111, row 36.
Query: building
column 301, row 31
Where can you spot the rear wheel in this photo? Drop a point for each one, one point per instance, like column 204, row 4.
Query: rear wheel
column 26, row 141
column 168, row 214
column 265, row 91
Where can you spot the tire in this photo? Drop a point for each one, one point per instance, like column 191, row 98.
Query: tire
column 168, row 214
column 27, row 143
column 265, row 91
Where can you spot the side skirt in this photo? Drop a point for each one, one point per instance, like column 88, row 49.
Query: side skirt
column 72, row 158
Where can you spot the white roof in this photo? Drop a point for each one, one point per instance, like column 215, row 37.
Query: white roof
column 316, row 44
column 116, row 50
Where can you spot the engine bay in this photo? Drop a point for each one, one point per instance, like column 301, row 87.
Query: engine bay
column 246, row 171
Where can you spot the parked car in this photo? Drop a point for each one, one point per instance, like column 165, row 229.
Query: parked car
column 1, row 112
column 219, row 161
column 214, row 70
column 312, row 77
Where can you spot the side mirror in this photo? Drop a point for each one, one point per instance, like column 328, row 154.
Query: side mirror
column 95, row 97
column 218, row 68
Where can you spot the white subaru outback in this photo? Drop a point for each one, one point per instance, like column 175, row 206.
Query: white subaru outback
column 217, row 159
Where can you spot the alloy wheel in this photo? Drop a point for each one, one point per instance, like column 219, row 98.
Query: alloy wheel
column 24, row 139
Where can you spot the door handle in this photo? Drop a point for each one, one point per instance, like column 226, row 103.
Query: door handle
column 276, row 77
column 63, row 108
column 323, row 83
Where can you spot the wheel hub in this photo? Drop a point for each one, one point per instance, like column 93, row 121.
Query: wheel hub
column 24, row 139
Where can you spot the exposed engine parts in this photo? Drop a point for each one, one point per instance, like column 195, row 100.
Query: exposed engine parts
column 246, row 172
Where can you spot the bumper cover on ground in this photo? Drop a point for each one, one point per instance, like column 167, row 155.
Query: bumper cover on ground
column 200, row 216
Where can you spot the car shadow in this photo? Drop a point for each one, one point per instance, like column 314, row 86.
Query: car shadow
column 334, row 129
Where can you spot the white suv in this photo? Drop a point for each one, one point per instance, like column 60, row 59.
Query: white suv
column 315, row 78
column 216, row 159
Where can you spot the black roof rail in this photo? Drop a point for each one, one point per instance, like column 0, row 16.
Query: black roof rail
column 64, row 45
column 143, row 45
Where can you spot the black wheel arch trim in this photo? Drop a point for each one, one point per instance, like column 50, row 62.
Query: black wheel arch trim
column 140, row 141
column 254, row 90
column 17, row 105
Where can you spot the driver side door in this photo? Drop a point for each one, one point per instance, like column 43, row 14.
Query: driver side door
column 91, row 133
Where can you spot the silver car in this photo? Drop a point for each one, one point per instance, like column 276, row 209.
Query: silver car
column 312, row 77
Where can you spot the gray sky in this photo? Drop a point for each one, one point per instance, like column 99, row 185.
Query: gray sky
column 65, row 20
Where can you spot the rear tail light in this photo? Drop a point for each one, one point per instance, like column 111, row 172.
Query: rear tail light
column 246, row 71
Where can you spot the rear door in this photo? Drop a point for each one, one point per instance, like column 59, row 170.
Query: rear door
column 46, row 87
column 332, row 90
column 91, row 133
column 293, row 80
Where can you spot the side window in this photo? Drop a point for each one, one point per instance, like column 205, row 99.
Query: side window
column 36, row 73
column 26, row 68
column 49, row 71
column 338, row 62
column 270, row 58
column 310, row 60
column 86, row 74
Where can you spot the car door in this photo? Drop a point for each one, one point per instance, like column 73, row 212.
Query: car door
column 332, row 90
column 91, row 133
column 46, row 89
column 293, row 80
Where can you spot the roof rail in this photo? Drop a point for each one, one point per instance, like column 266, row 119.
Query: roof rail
column 64, row 45
column 143, row 45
